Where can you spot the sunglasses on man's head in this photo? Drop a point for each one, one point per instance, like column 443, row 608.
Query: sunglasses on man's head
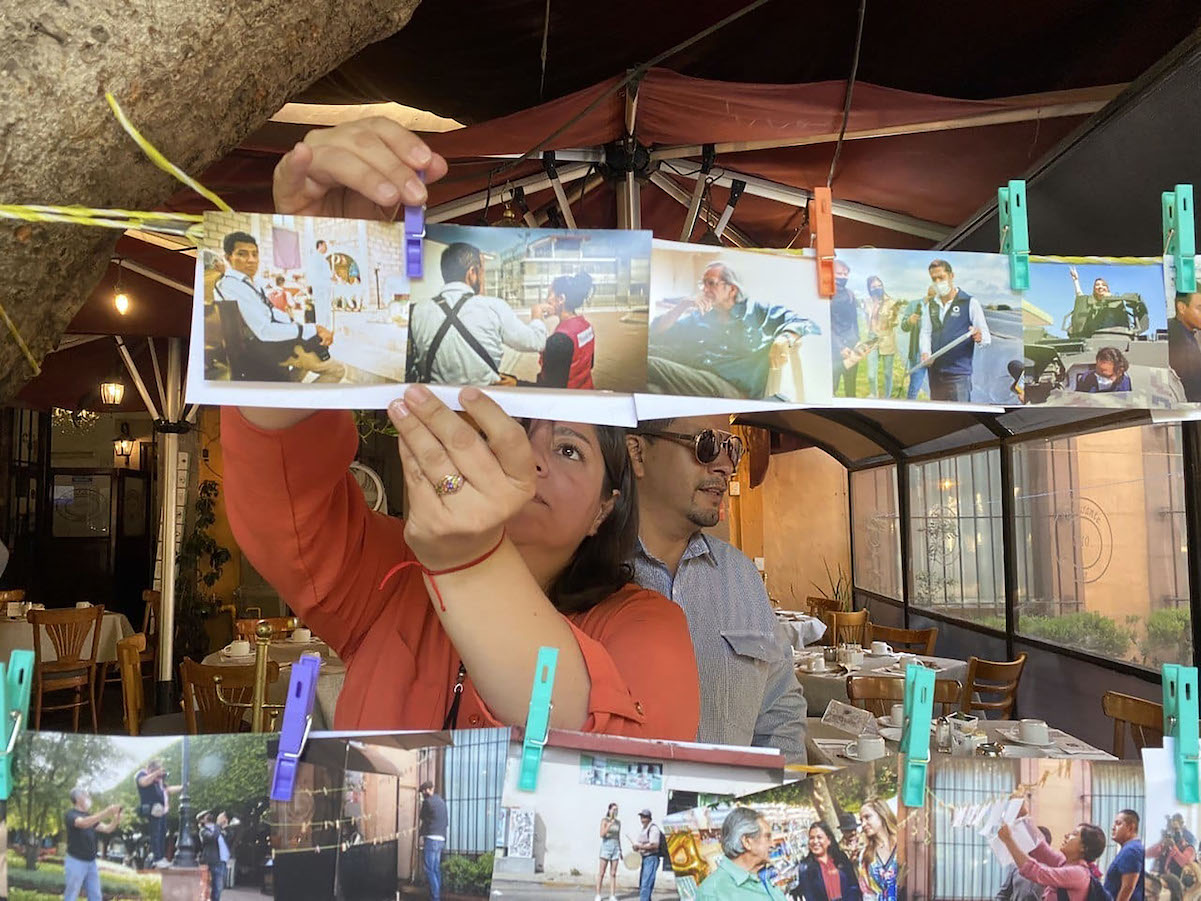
column 707, row 444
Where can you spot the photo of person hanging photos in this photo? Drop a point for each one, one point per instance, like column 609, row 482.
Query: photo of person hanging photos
column 738, row 324
column 298, row 300
column 1097, row 334
column 923, row 325
column 540, row 308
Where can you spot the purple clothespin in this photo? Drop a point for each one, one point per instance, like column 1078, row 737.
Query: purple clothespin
column 298, row 719
column 414, row 233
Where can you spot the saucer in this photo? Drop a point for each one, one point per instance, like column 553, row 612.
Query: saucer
column 230, row 655
column 891, row 733
column 1012, row 734
column 887, row 722
column 851, row 752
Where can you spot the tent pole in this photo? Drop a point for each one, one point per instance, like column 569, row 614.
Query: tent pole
column 136, row 376
column 170, row 530
column 470, row 203
column 158, row 374
column 680, row 196
column 149, row 273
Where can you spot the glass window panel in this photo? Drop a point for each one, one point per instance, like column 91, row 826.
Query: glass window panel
column 874, row 518
column 955, row 537
column 1102, row 554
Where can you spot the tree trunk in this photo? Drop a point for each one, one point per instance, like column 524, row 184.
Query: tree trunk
column 194, row 77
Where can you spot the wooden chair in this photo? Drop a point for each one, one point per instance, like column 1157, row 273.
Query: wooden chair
column 133, row 696
column 110, row 671
column 848, row 627
column 1145, row 719
column 879, row 693
column 75, row 668
column 203, row 710
column 280, row 627
column 987, row 678
column 913, row 641
column 820, row 607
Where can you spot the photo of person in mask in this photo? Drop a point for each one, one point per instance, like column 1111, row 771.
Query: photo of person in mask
column 1110, row 373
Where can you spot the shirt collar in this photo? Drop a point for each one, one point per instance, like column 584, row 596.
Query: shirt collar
column 737, row 873
column 698, row 546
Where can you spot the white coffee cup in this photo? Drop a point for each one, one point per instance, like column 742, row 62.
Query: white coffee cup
column 80, row 605
column 866, row 747
column 817, row 665
column 239, row 648
column 896, row 714
column 855, row 656
column 302, row 635
column 881, row 649
column 1034, row 731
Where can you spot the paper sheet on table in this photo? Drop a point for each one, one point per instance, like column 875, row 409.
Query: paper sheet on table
column 853, row 720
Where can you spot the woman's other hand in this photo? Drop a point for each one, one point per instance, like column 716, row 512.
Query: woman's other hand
column 498, row 474
column 357, row 170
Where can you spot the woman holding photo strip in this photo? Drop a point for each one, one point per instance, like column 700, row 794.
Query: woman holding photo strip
column 516, row 537
column 1071, row 870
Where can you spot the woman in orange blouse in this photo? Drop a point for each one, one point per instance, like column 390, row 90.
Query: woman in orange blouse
column 516, row 536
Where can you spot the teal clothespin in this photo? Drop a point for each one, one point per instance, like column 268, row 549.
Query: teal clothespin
column 915, row 737
column 14, row 708
column 537, row 724
column 1180, row 722
column 1179, row 239
column 1015, row 232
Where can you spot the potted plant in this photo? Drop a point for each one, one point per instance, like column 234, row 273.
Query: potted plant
column 199, row 565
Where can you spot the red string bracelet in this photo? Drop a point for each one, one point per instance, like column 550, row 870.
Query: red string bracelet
column 430, row 573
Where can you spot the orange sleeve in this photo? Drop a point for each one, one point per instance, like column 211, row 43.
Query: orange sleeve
column 643, row 671
column 301, row 520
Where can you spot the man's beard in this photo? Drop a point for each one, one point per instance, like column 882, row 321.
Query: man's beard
column 704, row 519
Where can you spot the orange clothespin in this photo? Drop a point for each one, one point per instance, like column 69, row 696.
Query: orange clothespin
column 821, row 223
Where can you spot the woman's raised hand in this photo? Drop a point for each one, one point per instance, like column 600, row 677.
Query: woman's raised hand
column 356, row 170
column 462, row 487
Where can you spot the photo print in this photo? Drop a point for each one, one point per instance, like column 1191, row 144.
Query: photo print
column 924, row 325
column 1184, row 325
column 1173, row 872
column 736, row 324
column 542, row 308
column 596, row 822
column 838, row 827
column 139, row 817
column 379, row 816
column 1097, row 335
column 1016, row 828
column 301, row 299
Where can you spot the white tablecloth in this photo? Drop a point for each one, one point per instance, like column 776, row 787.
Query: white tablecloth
column 803, row 630
column 285, row 653
column 825, row 742
column 822, row 688
column 17, row 634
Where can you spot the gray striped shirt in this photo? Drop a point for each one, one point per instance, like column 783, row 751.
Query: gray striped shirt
column 749, row 690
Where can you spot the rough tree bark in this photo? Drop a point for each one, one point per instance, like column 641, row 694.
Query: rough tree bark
column 195, row 77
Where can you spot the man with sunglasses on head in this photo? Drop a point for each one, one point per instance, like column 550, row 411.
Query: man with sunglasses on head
column 749, row 690
column 720, row 343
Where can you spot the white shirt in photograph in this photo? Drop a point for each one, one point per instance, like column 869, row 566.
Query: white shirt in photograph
column 265, row 322
column 489, row 319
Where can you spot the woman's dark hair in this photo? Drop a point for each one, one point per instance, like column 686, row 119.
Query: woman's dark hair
column 1092, row 840
column 835, row 850
column 1115, row 357
column 574, row 289
column 600, row 565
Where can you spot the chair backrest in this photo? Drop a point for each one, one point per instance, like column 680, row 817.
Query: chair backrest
column 246, row 628
column 847, row 627
column 879, row 693
column 915, row 641
column 68, row 631
column 820, row 606
column 12, row 595
column 153, row 599
column 129, row 663
column 203, row 710
column 992, row 686
column 1144, row 719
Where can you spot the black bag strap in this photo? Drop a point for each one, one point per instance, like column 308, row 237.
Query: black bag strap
column 452, row 715
column 452, row 319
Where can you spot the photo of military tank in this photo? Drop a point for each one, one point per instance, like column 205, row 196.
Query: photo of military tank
column 1100, row 341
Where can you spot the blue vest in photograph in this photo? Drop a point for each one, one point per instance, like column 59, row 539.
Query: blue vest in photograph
column 954, row 323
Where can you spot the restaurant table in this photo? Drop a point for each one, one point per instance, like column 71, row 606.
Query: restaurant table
column 824, row 744
column 802, row 629
column 822, row 688
column 17, row 634
column 285, row 653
